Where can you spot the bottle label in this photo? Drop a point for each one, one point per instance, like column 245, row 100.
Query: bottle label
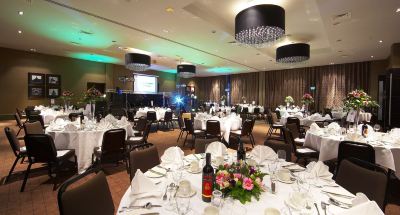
column 207, row 186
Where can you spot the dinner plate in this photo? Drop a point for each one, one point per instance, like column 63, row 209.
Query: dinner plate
column 194, row 172
column 192, row 193
column 285, row 182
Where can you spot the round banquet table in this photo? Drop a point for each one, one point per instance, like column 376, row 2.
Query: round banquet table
column 227, row 124
column 386, row 154
column 83, row 142
column 160, row 112
column 267, row 199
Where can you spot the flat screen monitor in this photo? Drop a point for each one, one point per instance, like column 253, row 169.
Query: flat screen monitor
column 145, row 84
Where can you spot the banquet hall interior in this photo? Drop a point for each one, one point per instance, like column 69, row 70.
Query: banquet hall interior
column 200, row 107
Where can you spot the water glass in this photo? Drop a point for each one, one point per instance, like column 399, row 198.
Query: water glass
column 177, row 176
column 377, row 127
column 217, row 198
column 282, row 155
column 182, row 205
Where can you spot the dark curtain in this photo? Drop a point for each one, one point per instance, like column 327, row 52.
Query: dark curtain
column 245, row 84
column 209, row 88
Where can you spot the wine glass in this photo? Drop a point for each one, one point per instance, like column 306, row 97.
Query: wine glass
column 182, row 205
column 377, row 127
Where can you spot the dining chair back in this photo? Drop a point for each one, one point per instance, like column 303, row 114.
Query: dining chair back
column 143, row 157
column 288, row 137
column 294, row 120
column 40, row 148
column 294, row 129
column 33, row 128
column 213, row 128
column 74, row 116
column 246, row 128
column 168, row 116
column 256, row 111
column 19, row 112
column 141, row 124
column 275, row 118
column 201, row 144
column 277, row 114
column 356, row 175
column 91, row 197
column 357, row 150
column 245, row 110
column 36, row 117
column 113, row 146
column 151, row 116
column 13, row 140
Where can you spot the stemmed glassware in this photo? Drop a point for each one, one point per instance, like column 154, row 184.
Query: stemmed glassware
column 182, row 205
column 377, row 127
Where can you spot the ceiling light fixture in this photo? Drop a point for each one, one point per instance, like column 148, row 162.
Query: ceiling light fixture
column 20, row 13
column 137, row 62
column 380, row 41
column 32, row 50
column 372, row 56
column 260, row 24
column 19, row 32
column 293, row 53
column 398, row 10
column 186, row 70
column 169, row 10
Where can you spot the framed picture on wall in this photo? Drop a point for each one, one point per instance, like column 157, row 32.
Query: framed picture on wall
column 36, row 92
column 53, row 92
column 35, row 79
column 54, row 80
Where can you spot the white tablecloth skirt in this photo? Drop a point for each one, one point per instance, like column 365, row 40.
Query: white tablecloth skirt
column 83, row 142
column 328, row 149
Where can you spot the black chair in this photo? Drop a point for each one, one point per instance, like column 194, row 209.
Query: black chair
column 361, row 151
column 40, row 148
column 113, row 148
column 140, row 126
column 213, row 129
column 278, row 114
column 328, row 111
column 137, row 140
column 20, row 124
column 74, row 116
column 246, row 131
column 295, row 133
column 300, row 153
column 245, row 110
column 360, row 176
column 201, row 144
column 296, row 121
column 91, row 197
column 33, row 128
column 277, row 145
column 167, row 120
column 273, row 126
column 190, row 130
column 118, row 112
column 19, row 112
column 30, row 110
column 182, row 128
column 152, row 118
column 19, row 152
column 143, row 157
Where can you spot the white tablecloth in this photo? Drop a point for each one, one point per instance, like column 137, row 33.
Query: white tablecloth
column 306, row 121
column 83, row 142
column 267, row 199
column 386, row 154
column 160, row 112
column 227, row 124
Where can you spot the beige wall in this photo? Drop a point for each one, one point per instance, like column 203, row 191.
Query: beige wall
column 15, row 66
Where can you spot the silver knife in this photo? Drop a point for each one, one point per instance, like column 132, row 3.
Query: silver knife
column 158, row 173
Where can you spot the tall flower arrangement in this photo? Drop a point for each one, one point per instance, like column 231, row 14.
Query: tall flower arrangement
column 358, row 99
column 289, row 100
column 67, row 96
column 240, row 181
column 91, row 95
column 307, row 99
column 244, row 99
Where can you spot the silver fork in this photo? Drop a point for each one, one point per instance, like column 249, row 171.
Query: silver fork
column 323, row 206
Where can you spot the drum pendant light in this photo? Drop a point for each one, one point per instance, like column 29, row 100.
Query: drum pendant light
column 137, row 62
column 293, row 53
column 186, row 70
column 260, row 24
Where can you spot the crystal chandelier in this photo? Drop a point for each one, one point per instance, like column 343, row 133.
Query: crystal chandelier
column 137, row 62
column 260, row 24
column 293, row 53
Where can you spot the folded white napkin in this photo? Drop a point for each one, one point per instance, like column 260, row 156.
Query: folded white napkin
column 316, row 117
column 110, row 118
column 70, row 127
column 354, row 137
column 298, row 115
column 314, row 128
column 216, row 149
column 59, row 121
column 366, row 208
column 262, row 153
column 320, row 170
column 172, row 156
column 359, row 199
column 104, row 125
column 334, row 128
column 143, row 187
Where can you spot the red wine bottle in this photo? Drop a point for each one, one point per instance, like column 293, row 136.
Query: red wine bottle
column 241, row 153
column 208, row 180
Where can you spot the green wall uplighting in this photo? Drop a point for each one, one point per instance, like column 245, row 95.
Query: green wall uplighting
column 223, row 69
column 94, row 57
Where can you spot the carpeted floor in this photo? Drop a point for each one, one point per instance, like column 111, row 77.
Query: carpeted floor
column 39, row 197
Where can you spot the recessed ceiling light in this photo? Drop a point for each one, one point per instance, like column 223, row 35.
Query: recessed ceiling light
column 398, row 10
column 169, row 10
column 372, row 56
column 19, row 32
column 331, row 63
column 380, row 41
column 20, row 13
column 165, row 30
column 32, row 50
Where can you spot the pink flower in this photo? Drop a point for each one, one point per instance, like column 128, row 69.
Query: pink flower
column 247, row 184
column 237, row 175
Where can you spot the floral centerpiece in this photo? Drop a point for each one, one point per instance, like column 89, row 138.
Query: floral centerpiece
column 90, row 97
column 240, row 181
column 307, row 100
column 244, row 99
column 66, row 96
column 223, row 99
column 357, row 100
column 289, row 100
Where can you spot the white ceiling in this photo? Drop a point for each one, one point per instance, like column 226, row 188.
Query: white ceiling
column 186, row 34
